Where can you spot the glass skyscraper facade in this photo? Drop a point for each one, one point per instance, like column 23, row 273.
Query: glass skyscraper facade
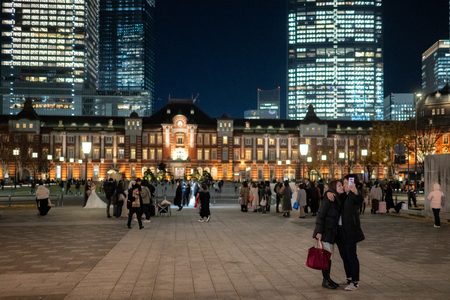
column 335, row 59
column 48, row 53
column 435, row 67
column 127, row 45
column 269, row 102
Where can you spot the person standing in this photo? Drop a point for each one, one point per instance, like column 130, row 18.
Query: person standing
column 349, row 231
column 301, row 200
column 315, row 198
column 286, row 193
column 327, row 225
column 87, row 191
column 77, row 187
column 243, row 194
column 204, row 198
column 121, row 197
column 254, row 193
column 42, row 195
column 411, row 195
column 134, row 204
column 68, row 186
column 146, row 196
column 109, row 188
column 375, row 195
column 388, row 197
column 277, row 189
column 435, row 197
column 178, row 196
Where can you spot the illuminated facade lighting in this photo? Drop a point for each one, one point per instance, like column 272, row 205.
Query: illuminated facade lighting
column 335, row 59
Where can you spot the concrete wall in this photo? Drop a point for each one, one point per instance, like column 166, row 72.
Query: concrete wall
column 437, row 169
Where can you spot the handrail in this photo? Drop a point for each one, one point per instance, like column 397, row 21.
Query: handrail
column 59, row 198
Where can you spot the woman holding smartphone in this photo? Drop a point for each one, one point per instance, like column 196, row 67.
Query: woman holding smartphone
column 349, row 231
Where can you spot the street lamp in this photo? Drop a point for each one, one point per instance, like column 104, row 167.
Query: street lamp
column 34, row 155
column 364, row 153
column 419, row 95
column 324, row 158
column 16, row 153
column 303, row 153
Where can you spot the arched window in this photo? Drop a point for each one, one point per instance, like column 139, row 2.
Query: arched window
column 144, row 169
column 207, row 170
column 200, row 171
column 214, row 173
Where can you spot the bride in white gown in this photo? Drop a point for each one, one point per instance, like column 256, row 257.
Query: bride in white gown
column 94, row 201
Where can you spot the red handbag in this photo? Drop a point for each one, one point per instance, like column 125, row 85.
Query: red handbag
column 318, row 258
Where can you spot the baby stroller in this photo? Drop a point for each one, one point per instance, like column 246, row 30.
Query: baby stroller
column 164, row 209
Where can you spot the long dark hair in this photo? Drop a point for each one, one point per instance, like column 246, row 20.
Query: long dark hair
column 332, row 187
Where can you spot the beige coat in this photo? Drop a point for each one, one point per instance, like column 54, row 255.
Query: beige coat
column 435, row 196
column 244, row 194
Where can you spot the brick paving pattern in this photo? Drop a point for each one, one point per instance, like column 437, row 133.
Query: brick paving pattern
column 79, row 254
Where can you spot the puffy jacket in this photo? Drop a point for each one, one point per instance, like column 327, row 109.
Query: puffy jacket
column 42, row 192
column 327, row 219
column 435, row 196
column 350, row 232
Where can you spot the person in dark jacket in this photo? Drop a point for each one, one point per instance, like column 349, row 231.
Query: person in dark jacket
column 178, row 196
column 134, row 196
column 388, row 197
column 327, row 225
column 349, row 230
column 204, row 204
column 109, row 188
column 315, row 197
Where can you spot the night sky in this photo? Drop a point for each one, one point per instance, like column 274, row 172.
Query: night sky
column 226, row 50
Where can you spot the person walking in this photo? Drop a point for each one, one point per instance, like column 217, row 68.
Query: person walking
column 437, row 199
column 254, row 194
column 42, row 195
column 77, row 187
column 301, row 199
column 243, row 194
column 134, row 205
column 327, row 225
column 411, row 195
column 204, row 197
column 146, row 196
column 286, row 193
column 109, row 188
column 349, row 231
column 315, row 198
column 375, row 196
column 121, row 197
column 178, row 196
column 68, row 187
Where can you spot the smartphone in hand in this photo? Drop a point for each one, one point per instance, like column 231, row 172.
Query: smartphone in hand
column 351, row 181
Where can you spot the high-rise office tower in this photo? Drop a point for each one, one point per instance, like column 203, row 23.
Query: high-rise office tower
column 269, row 102
column 48, row 54
column 399, row 107
column 127, row 45
column 335, row 59
column 435, row 67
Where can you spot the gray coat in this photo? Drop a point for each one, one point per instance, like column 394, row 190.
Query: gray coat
column 287, row 193
column 244, row 194
column 301, row 197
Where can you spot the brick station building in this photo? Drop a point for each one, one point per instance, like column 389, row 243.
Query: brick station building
column 184, row 138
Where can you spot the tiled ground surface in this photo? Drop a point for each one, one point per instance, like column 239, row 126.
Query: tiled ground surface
column 235, row 256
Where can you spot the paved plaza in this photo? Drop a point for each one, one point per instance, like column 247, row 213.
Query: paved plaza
column 80, row 254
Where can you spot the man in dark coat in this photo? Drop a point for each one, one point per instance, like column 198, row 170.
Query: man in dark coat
column 109, row 188
column 349, row 230
column 178, row 196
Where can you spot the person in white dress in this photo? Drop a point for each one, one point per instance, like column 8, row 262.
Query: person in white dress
column 94, row 201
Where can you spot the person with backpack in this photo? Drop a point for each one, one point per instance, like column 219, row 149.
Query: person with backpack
column 277, row 189
column 134, row 204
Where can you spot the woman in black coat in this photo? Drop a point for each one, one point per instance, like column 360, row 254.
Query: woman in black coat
column 315, row 197
column 349, row 230
column 178, row 196
column 327, row 225
column 204, row 204
column 134, row 196
column 388, row 197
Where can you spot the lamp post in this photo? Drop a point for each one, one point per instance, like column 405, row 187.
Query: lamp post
column 16, row 154
column 86, row 150
column 415, row 140
column 34, row 155
column 364, row 154
column 303, row 153
column 324, row 158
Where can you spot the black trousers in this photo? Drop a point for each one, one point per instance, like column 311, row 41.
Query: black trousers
column 108, row 205
column 138, row 212
column 146, row 211
column 413, row 198
column 278, row 202
column 437, row 219
column 350, row 259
